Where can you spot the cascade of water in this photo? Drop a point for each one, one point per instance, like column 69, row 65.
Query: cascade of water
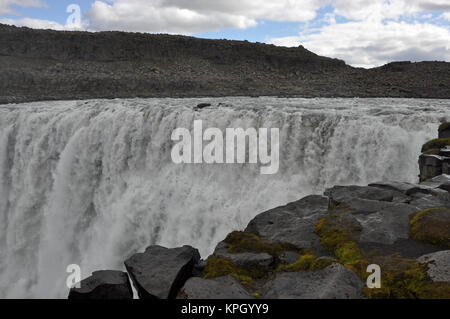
column 90, row 183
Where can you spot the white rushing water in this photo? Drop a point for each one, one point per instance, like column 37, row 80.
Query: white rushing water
column 92, row 182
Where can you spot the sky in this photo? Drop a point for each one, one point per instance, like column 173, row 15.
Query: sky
column 363, row 33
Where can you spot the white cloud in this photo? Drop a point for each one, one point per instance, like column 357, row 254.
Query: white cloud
column 446, row 16
column 193, row 16
column 374, row 34
column 383, row 9
column 6, row 5
column 33, row 23
column 373, row 43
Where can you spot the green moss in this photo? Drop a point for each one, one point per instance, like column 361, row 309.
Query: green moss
column 256, row 295
column 243, row 242
column 433, row 151
column 431, row 230
column 219, row 267
column 401, row 278
column 342, row 242
column 444, row 126
column 308, row 262
column 436, row 144
column 348, row 253
column 406, row 279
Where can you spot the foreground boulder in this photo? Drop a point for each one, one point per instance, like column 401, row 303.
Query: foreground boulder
column 217, row 288
column 432, row 226
column 105, row 284
column 293, row 223
column 333, row 282
column 435, row 158
column 438, row 266
column 159, row 272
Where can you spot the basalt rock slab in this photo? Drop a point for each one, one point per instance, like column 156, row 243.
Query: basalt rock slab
column 293, row 223
column 105, row 284
column 388, row 225
column 441, row 181
column 333, row 282
column 159, row 272
column 339, row 195
column 430, row 201
column 245, row 260
column 217, row 288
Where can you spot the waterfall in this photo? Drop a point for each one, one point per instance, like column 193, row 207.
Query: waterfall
column 92, row 182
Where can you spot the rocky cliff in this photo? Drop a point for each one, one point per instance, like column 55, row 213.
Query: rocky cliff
column 54, row 65
column 318, row 247
column 435, row 159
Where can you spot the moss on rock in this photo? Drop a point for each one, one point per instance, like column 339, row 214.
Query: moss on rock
column 406, row 279
column 432, row 226
column 308, row 262
column 435, row 144
column 219, row 267
column 340, row 237
column 433, row 151
column 444, row 126
column 244, row 242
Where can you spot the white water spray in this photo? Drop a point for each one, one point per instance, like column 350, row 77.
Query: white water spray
column 91, row 183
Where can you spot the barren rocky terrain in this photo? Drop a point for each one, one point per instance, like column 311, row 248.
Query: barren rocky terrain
column 55, row 65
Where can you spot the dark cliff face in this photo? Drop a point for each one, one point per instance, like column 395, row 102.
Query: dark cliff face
column 44, row 64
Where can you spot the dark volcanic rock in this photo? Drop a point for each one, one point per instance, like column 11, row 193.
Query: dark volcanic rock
column 333, row 282
column 388, row 225
column 202, row 106
column 244, row 260
column 293, row 223
column 218, row 288
column 430, row 201
column 115, row 64
column 105, row 284
column 160, row 272
column 340, row 194
column 441, row 181
column 430, row 166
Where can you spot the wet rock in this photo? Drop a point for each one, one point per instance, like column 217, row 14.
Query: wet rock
column 217, row 288
column 160, row 272
column 293, row 223
column 202, row 106
column 430, row 166
column 105, row 284
column 333, row 282
column 438, row 265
